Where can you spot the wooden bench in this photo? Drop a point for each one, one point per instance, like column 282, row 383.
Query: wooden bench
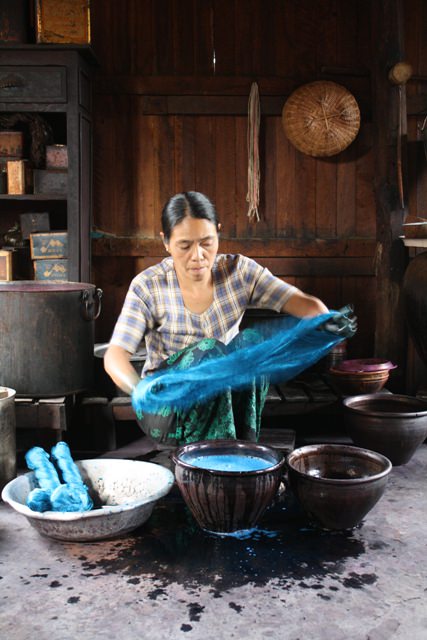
column 309, row 394
column 43, row 413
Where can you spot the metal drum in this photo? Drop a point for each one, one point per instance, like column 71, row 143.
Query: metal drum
column 7, row 436
column 47, row 336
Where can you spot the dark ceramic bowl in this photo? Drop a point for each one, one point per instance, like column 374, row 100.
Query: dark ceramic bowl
column 394, row 425
column 337, row 485
column 352, row 383
column 228, row 499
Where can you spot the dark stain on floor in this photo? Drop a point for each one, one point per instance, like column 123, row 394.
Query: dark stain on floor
column 284, row 548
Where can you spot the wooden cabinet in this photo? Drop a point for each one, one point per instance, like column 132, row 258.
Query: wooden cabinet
column 54, row 81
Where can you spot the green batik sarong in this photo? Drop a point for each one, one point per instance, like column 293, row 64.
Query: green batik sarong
column 231, row 415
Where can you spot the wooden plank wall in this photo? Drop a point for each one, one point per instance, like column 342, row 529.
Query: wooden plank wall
column 416, row 53
column 170, row 102
column 416, row 176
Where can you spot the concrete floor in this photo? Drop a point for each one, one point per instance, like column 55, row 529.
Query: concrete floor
column 170, row 580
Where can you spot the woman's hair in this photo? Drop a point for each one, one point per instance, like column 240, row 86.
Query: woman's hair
column 188, row 203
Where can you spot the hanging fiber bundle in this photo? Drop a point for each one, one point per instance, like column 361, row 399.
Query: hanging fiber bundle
column 254, row 117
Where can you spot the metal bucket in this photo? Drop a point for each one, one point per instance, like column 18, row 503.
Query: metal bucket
column 47, row 336
column 7, row 436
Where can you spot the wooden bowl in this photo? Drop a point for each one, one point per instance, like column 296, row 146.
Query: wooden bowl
column 365, row 364
column 350, row 383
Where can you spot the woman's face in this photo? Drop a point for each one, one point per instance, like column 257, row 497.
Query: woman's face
column 193, row 245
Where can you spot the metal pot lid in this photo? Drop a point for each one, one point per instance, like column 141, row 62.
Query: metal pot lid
column 365, row 364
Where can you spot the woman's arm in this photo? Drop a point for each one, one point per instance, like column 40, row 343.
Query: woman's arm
column 302, row 305
column 117, row 365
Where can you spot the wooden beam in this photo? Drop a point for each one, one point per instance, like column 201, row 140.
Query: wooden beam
column 220, row 105
column 111, row 246
column 208, row 105
column 284, row 258
column 215, row 85
column 387, row 47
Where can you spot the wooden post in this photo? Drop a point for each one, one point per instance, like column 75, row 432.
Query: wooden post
column 389, row 104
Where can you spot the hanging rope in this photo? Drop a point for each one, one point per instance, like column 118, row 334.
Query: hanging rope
column 254, row 116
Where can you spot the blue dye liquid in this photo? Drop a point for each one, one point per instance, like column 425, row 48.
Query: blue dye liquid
column 229, row 462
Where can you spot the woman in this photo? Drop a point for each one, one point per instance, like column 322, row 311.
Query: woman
column 188, row 307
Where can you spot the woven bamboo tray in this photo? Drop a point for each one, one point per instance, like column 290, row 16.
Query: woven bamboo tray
column 321, row 118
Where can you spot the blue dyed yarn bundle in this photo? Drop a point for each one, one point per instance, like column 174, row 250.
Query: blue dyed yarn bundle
column 279, row 350
column 53, row 495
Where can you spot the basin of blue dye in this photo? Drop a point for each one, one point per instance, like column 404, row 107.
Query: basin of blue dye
column 228, row 462
column 228, row 484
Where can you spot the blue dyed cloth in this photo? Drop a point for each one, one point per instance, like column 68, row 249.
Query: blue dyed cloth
column 39, row 500
column 52, row 495
column 278, row 351
column 46, row 475
column 231, row 415
column 71, row 497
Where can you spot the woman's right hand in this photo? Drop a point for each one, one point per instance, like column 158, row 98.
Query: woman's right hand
column 118, row 366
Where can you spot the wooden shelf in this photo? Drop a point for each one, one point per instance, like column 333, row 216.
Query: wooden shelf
column 39, row 197
column 85, row 50
column 415, row 242
column 58, row 79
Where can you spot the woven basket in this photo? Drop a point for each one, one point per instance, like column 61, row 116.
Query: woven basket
column 321, row 118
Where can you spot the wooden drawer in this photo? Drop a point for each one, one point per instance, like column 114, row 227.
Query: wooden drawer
column 33, row 84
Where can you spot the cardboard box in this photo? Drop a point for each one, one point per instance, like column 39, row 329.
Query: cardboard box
column 6, row 265
column 15, row 264
column 51, row 270
column 51, row 181
column 19, row 177
column 56, row 156
column 33, row 222
column 3, row 180
column 49, row 245
column 63, row 21
column 14, row 19
column 11, row 145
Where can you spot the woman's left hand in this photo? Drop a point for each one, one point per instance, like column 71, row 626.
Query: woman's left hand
column 343, row 324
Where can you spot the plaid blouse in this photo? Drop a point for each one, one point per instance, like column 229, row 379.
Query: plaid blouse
column 154, row 307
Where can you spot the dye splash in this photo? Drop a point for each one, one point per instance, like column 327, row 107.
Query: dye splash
column 279, row 351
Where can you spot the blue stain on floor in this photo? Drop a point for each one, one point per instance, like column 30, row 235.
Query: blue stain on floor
column 284, row 548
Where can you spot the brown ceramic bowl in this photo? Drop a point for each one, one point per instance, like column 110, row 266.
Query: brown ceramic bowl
column 365, row 364
column 230, row 497
column 394, row 425
column 350, row 383
column 337, row 485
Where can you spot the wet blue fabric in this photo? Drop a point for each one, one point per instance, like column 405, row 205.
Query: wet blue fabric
column 46, row 475
column 279, row 350
column 53, row 495
column 69, row 470
column 73, row 494
column 39, row 500
column 71, row 497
